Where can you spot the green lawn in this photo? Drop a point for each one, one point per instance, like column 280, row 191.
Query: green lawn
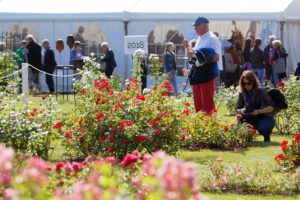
column 258, row 154
column 228, row 196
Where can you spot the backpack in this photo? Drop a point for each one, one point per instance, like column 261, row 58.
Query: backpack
column 278, row 99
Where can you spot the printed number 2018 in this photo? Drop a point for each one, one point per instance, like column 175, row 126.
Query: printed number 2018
column 135, row 45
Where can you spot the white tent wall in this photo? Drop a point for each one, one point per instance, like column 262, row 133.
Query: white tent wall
column 292, row 44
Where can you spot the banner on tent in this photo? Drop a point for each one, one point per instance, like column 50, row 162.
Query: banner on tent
column 134, row 42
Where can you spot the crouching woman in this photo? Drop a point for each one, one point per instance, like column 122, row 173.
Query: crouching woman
column 255, row 105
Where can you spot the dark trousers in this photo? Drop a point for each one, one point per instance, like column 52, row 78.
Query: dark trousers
column 263, row 124
column 144, row 81
column 268, row 72
column 50, row 83
column 108, row 71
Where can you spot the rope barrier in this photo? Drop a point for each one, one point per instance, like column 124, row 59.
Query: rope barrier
column 52, row 74
column 16, row 72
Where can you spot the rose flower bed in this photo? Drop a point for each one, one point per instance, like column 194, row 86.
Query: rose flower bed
column 138, row 176
column 111, row 122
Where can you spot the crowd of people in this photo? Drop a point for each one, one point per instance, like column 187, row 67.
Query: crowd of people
column 239, row 54
column 41, row 58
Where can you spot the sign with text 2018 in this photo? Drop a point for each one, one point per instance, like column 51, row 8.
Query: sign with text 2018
column 134, row 42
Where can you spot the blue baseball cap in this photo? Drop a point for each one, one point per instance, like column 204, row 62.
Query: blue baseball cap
column 200, row 20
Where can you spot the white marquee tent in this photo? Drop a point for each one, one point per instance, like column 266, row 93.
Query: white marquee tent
column 116, row 18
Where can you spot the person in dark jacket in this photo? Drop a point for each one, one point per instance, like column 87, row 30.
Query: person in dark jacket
column 297, row 72
column 268, row 51
column 170, row 65
column 258, row 61
column 108, row 59
column 49, row 64
column 255, row 105
column 247, row 54
column 34, row 57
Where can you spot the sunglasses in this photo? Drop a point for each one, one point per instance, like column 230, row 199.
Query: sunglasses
column 247, row 83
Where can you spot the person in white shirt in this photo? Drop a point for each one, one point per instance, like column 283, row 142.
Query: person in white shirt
column 203, row 85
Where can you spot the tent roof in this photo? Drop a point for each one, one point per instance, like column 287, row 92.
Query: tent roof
column 269, row 10
column 292, row 11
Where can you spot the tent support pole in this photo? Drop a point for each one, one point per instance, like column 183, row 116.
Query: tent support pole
column 281, row 30
column 126, row 56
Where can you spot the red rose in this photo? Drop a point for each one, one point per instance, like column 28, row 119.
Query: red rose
column 140, row 97
column 110, row 149
column 170, row 89
column 133, row 80
column 68, row 134
column 182, row 137
column 296, row 162
column 34, row 112
column 297, row 137
column 112, row 140
column 44, row 97
column 226, row 128
column 280, row 84
column 252, row 131
column 77, row 166
column 99, row 116
column 187, row 104
column 129, row 159
column 80, row 121
column 59, row 165
column 82, row 91
column 124, row 142
column 154, row 122
column 81, row 140
column 167, row 83
column 58, row 125
column 186, row 112
column 212, row 111
column 239, row 116
column 284, row 144
column 125, row 123
column 157, row 132
column 279, row 157
column 142, row 138
column 155, row 87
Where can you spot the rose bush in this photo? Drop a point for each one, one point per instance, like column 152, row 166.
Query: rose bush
column 26, row 128
column 227, row 96
column 290, row 156
column 287, row 121
column 206, row 131
column 8, row 64
column 137, row 177
column 112, row 123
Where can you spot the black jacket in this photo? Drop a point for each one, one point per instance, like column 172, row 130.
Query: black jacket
column 109, row 59
column 49, row 61
column 34, row 54
column 208, row 69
